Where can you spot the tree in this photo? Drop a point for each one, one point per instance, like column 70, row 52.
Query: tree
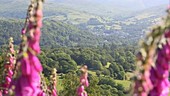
column 98, row 73
column 120, row 87
column 121, row 75
column 105, row 72
column 96, row 65
column 114, row 67
column 120, row 93
column 65, row 66
column 70, row 83
column 94, row 89
column 108, row 81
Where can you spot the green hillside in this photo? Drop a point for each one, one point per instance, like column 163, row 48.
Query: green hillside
column 54, row 33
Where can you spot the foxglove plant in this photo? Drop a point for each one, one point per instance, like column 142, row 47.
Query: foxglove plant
column 53, row 80
column 9, row 65
column 43, row 86
column 28, row 82
column 154, row 57
column 83, row 82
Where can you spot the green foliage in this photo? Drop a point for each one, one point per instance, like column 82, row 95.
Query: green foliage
column 57, row 34
column 10, row 28
column 125, row 83
column 120, row 93
column 108, row 64
column 65, row 63
column 106, row 90
column 103, row 86
column 54, row 34
column 121, row 75
column 107, row 81
column 96, row 65
column 70, row 83
column 94, row 89
column 120, row 87
column 124, row 57
column 1, row 67
column 110, row 87
column 114, row 67
column 106, row 72
column 2, row 61
column 67, row 59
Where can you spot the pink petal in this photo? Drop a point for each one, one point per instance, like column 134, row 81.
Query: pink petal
column 25, row 66
column 39, row 13
column 37, row 34
column 37, row 64
column 26, row 90
column 23, row 31
column 8, row 79
column 39, row 23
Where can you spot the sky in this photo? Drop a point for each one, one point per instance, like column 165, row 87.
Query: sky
column 126, row 3
column 154, row 2
column 145, row 2
column 133, row 5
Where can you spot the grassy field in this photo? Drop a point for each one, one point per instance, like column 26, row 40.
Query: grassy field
column 125, row 83
column 59, row 84
column 107, row 65
column 92, row 72
column 129, row 75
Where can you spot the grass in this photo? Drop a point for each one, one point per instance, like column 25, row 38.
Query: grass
column 78, row 67
column 92, row 72
column 129, row 75
column 59, row 84
column 126, row 84
column 107, row 65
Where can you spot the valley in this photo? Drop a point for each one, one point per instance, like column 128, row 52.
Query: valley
column 102, row 35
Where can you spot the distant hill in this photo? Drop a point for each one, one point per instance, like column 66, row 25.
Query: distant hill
column 134, row 27
column 53, row 34
column 71, row 22
column 13, row 8
column 111, row 8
